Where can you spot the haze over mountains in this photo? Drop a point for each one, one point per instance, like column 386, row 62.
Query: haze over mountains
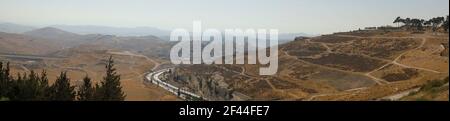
column 89, row 29
column 14, row 28
column 117, row 31
column 51, row 33
column 63, row 39
column 56, row 42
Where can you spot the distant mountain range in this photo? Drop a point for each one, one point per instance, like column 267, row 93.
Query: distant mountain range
column 14, row 28
column 53, row 41
column 89, row 29
column 118, row 31
column 51, row 33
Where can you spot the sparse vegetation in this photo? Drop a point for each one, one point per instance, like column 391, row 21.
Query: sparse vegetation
column 333, row 39
column 434, row 84
column 347, row 62
column 305, row 49
column 431, row 91
column 376, row 47
column 404, row 75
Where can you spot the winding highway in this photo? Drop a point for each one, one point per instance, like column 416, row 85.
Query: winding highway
column 153, row 78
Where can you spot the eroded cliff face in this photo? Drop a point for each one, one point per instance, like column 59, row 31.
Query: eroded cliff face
column 210, row 85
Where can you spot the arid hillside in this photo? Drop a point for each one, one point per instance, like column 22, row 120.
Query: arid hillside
column 55, row 51
column 359, row 65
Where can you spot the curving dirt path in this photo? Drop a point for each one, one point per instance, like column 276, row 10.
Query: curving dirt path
column 395, row 62
column 424, row 40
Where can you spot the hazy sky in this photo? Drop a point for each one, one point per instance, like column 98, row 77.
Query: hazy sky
column 309, row 16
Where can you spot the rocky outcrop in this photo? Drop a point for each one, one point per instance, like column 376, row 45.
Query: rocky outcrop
column 211, row 86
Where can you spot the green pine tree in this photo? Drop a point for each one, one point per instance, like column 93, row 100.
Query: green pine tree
column 86, row 91
column 32, row 86
column 43, row 87
column 110, row 88
column 15, row 89
column 22, row 89
column 25, row 88
column 61, row 89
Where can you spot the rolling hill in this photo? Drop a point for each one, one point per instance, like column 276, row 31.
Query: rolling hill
column 360, row 65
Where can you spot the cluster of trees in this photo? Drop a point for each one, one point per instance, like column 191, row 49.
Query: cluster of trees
column 34, row 87
column 418, row 24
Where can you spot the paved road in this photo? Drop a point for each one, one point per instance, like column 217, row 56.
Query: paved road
column 153, row 77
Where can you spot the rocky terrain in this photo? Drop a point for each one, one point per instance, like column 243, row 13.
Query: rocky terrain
column 359, row 65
